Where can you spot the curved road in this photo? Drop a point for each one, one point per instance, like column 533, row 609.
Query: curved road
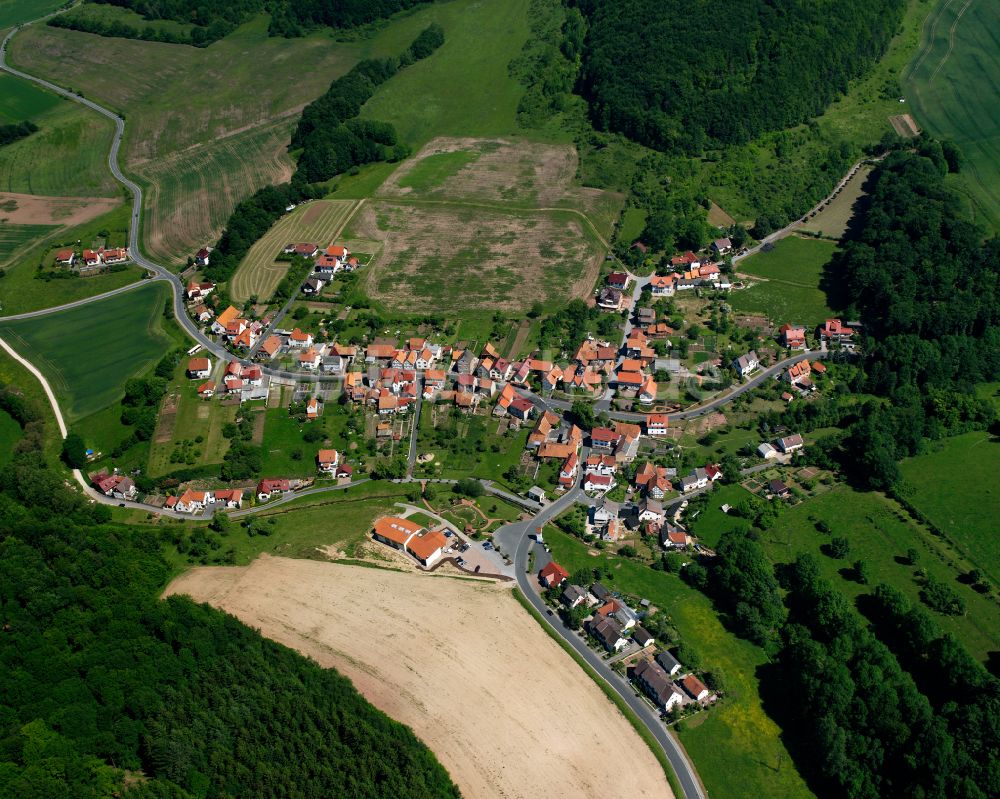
column 514, row 538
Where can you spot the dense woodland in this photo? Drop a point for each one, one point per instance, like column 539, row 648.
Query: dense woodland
column 214, row 19
column 103, row 680
column 682, row 76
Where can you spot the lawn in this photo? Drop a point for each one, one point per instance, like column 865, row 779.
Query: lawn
column 790, row 278
column 464, row 445
column 464, row 88
column 880, row 533
column 736, row 748
column 87, row 353
column 711, row 523
column 953, row 85
column 966, row 510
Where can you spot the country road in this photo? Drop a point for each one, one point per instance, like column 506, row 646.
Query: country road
column 516, row 539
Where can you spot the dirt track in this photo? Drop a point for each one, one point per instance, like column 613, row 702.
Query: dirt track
column 501, row 705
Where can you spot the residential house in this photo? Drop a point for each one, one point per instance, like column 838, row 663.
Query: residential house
column 686, row 260
column 206, row 389
column 652, row 479
column 648, row 391
column 790, row 443
column 229, row 498
column 619, row 611
column 656, row 684
column 303, row 250
column 609, row 632
column 197, row 291
column 833, row 331
column 114, row 485
column 222, row 321
column 569, row 470
column 642, row 637
column 193, row 501
column 91, row 259
column 270, row 486
column 600, row 593
column 798, row 374
column 651, row 510
column 573, row 595
column 662, row 286
column 552, row 574
column 610, row 299
column 618, row 280
column 203, row 313
column 697, row 479
column 300, row 340
column 721, row 246
column 601, row 463
column 668, row 662
column 199, row 368
column 313, row 408
column 65, row 257
column 270, row 347
column 792, row 337
column 201, row 257
column 115, row 255
column 309, row 359
column 674, row 538
column 594, row 483
column 645, row 317
column 603, row 439
column 746, row 364
column 312, row 286
column 656, row 424
column 520, row 408
column 694, row 688
column 778, row 489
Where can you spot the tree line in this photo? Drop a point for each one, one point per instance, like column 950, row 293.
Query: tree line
column 212, row 20
column 102, row 679
column 681, row 76
column 17, row 130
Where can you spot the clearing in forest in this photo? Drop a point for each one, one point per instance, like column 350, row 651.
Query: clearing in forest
column 834, row 219
column 259, row 273
column 456, row 258
column 459, row 661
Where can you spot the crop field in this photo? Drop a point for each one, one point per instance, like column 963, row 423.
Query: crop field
column 66, row 157
column 21, row 100
column 531, row 716
column 320, row 221
column 459, row 258
column 833, row 221
column 953, row 84
column 14, row 12
column 87, row 353
column 736, row 747
column 501, row 172
column 948, row 498
column 14, row 238
column 789, row 286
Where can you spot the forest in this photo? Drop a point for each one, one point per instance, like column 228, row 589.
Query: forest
column 214, row 19
column 895, row 709
column 109, row 691
column 682, row 77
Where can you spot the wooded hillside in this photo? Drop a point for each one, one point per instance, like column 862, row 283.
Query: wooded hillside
column 678, row 75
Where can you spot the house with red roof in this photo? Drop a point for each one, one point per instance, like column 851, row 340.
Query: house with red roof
column 833, row 331
column 91, row 259
column 552, row 574
column 206, row 389
column 65, row 257
column 270, row 486
column 656, row 424
column 595, row 483
column 201, row 257
column 199, row 368
column 327, row 461
column 792, row 337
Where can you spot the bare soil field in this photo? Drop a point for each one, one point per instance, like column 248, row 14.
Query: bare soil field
column 904, row 125
column 833, row 220
column 501, row 172
column 458, row 258
column 320, row 222
column 459, row 661
column 28, row 209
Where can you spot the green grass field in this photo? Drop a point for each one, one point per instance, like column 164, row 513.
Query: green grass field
column 953, row 85
column 833, row 221
column 789, row 291
column 736, row 747
column 880, row 533
column 633, row 223
column 470, row 445
column 432, row 171
column 464, row 88
column 941, row 485
column 14, row 238
column 14, row 12
column 10, row 434
column 88, row 353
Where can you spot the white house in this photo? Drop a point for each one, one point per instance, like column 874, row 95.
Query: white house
column 746, row 364
column 790, row 443
column 766, row 451
column 595, row 483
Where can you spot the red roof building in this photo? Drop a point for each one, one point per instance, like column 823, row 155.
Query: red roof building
column 553, row 574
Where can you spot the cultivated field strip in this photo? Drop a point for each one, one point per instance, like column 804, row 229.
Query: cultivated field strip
column 190, row 196
column 320, row 222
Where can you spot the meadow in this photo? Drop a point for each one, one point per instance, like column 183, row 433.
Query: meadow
column 319, row 222
column 953, row 85
column 790, row 274
column 87, row 353
column 22, row 100
column 466, row 444
column 14, row 238
column 948, row 498
column 10, row 434
column 736, row 747
column 834, row 220
column 14, row 12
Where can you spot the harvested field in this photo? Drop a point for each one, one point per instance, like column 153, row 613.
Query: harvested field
column 501, row 172
column 28, row 209
column 500, row 703
column 460, row 258
column 904, row 126
column 320, row 221
column 834, row 219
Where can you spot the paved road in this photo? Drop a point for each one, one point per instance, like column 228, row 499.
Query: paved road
column 411, row 457
column 514, row 538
